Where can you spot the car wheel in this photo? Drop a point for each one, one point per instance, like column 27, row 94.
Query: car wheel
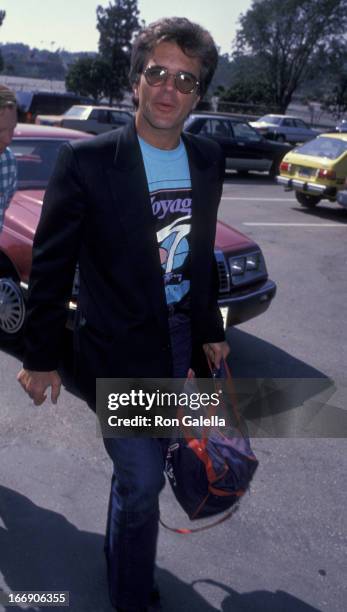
column 274, row 170
column 280, row 138
column 309, row 201
column 12, row 310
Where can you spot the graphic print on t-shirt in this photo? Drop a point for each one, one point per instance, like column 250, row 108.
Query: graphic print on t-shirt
column 172, row 209
column 169, row 185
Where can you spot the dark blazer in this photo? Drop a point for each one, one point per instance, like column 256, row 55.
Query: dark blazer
column 97, row 211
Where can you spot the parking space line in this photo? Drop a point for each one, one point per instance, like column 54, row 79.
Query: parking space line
column 260, row 199
column 298, row 224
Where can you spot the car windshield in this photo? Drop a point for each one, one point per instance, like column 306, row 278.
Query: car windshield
column 76, row 111
column 271, row 119
column 323, row 146
column 35, row 159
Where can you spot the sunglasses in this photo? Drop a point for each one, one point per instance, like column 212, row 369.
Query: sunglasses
column 185, row 82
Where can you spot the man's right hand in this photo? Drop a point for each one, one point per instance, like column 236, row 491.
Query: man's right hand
column 36, row 383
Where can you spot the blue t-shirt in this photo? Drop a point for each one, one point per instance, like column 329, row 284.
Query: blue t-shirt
column 171, row 198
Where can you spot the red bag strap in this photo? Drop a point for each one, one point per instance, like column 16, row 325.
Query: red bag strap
column 186, row 531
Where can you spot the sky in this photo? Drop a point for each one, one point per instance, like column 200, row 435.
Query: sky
column 50, row 24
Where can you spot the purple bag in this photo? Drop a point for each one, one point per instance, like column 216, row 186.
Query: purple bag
column 209, row 474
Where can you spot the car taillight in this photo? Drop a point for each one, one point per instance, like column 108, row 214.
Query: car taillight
column 285, row 166
column 327, row 174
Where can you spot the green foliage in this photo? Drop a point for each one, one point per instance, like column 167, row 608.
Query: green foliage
column 117, row 25
column 284, row 36
column 88, row 76
column 334, row 66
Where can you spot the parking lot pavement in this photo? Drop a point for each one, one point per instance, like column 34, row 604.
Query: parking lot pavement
column 284, row 551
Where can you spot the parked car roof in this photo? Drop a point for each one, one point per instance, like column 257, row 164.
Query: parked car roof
column 31, row 130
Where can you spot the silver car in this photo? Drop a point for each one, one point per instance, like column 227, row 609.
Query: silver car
column 95, row 119
column 284, row 128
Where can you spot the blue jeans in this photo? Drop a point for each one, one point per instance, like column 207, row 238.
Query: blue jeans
column 133, row 513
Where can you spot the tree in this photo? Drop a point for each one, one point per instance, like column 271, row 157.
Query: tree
column 285, row 35
column 2, row 17
column 249, row 84
column 88, row 76
column 117, row 24
column 334, row 65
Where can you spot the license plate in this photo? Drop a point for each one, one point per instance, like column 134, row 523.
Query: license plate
column 224, row 310
column 306, row 171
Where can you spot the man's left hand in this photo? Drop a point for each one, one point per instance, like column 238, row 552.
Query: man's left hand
column 216, row 351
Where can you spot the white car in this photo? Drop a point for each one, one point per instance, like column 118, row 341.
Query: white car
column 284, row 128
column 88, row 118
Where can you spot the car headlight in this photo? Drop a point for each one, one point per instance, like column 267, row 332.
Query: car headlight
column 252, row 262
column 237, row 265
column 247, row 268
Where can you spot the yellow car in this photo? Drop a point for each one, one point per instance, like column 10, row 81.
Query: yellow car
column 316, row 170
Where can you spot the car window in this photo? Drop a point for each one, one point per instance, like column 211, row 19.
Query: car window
column 300, row 124
column 216, row 127
column 288, row 123
column 35, row 159
column 323, row 146
column 103, row 115
column 118, row 118
column 94, row 114
column 245, row 132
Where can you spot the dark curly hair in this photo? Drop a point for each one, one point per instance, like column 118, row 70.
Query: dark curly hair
column 190, row 37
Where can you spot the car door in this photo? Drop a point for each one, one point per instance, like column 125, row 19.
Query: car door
column 289, row 130
column 219, row 129
column 95, row 124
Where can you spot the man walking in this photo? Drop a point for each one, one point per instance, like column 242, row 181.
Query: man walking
column 137, row 209
column 8, row 166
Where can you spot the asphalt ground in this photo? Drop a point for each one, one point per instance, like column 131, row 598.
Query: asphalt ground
column 285, row 550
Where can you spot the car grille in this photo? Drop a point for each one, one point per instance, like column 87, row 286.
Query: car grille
column 223, row 274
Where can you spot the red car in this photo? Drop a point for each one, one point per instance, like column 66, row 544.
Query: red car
column 245, row 290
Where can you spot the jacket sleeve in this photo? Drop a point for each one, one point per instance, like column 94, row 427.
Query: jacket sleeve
column 214, row 328
column 55, row 254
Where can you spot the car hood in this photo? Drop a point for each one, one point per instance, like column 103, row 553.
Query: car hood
column 228, row 238
column 24, row 212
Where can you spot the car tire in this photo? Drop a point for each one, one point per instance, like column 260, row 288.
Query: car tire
column 274, row 170
column 12, row 311
column 307, row 200
column 280, row 138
